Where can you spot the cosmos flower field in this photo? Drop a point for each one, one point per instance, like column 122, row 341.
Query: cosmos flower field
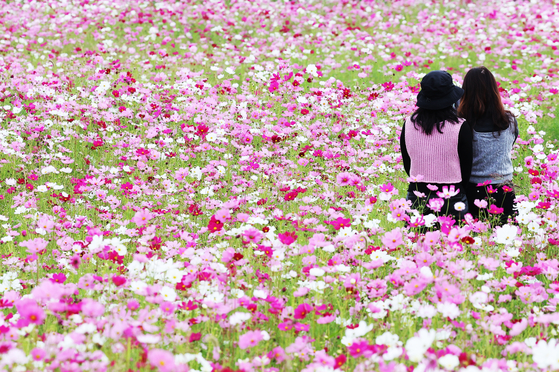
column 218, row 186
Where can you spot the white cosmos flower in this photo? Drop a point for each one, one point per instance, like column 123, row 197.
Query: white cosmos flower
column 239, row 317
column 388, row 339
column 168, row 294
column 544, row 354
column 449, row 362
column 506, row 234
column 352, row 334
column 418, row 345
column 174, row 276
column 459, row 206
column 221, row 170
column 148, row 339
column 48, row 169
column 380, row 255
column 138, row 286
column 316, row 271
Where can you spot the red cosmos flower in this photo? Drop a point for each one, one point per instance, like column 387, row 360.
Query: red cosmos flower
column 202, row 130
column 339, row 222
column 304, row 111
column 288, row 237
column 468, row 240
column 290, row 196
column 340, row 360
column 142, row 151
column 194, row 210
column 116, row 93
column 194, row 337
column 29, row 187
column 388, row 86
column 534, row 172
column 493, row 209
column 214, row 225
column 372, row 96
column 118, row 280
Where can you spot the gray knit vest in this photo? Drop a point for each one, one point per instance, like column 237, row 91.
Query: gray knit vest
column 492, row 156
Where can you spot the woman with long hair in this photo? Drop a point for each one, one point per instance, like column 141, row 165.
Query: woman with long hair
column 494, row 132
column 436, row 148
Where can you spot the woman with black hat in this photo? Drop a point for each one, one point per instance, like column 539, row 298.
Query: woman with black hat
column 436, row 148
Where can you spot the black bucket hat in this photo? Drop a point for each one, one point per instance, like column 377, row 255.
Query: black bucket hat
column 438, row 91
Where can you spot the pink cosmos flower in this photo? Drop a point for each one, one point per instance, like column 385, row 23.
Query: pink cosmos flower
column 141, row 218
column 30, row 311
column 222, row 215
column 344, row 178
column 359, row 348
column 34, row 246
column 414, row 286
column 323, row 359
column 163, row 360
column 133, row 304
column 301, row 327
column 253, row 235
column 447, row 192
column 92, row 308
column 435, row 204
column 339, row 222
column 302, row 310
column 392, row 239
column 167, row 308
column 277, row 353
column 47, row 291
column 38, row 354
column 480, row 203
column 352, row 280
column 250, row 339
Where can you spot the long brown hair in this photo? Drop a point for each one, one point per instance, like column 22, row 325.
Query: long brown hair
column 482, row 98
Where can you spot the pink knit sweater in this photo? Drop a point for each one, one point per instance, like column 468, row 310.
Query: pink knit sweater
column 434, row 156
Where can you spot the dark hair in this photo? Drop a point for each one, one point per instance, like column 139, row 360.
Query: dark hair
column 482, row 98
column 431, row 119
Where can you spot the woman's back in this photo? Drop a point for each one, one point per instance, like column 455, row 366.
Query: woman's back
column 429, row 152
column 492, row 151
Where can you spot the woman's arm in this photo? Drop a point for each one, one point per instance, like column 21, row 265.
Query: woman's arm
column 405, row 156
column 465, row 153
